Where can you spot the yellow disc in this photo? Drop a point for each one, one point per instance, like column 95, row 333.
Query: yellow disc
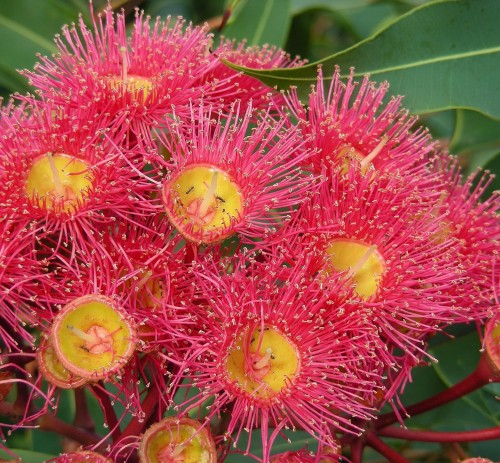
column 91, row 337
column 138, row 87
column 203, row 202
column 362, row 259
column 175, row 440
column 53, row 370
column 263, row 363
column 60, row 179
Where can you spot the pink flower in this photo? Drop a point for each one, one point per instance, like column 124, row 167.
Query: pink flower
column 273, row 355
column 303, row 456
column 232, row 174
column 21, row 276
column 352, row 123
column 135, row 79
column 472, row 220
column 238, row 86
column 68, row 172
column 380, row 238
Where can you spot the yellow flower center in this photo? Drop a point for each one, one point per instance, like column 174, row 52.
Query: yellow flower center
column 91, row 337
column 172, row 441
column 202, row 202
column 62, row 180
column 53, row 370
column 138, row 87
column 364, row 264
column 263, row 363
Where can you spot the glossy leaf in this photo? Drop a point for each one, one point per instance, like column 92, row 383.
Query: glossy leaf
column 474, row 131
column 23, row 35
column 261, row 22
column 298, row 6
column 27, row 455
column 441, row 55
column 457, row 358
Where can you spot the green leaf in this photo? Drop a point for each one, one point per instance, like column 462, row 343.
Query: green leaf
column 474, row 132
column 261, row 22
column 24, row 35
column 298, row 6
column 441, row 55
column 457, row 359
column 27, row 455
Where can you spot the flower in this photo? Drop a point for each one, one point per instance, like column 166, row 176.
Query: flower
column 177, row 440
column 272, row 355
column 303, row 456
column 350, row 124
column 69, row 173
column 82, row 456
column 238, row 86
column 473, row 221
column 377, row 236
column 231, row 173
column 137, row 79
column 21, row 276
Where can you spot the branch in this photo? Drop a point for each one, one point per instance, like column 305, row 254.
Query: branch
column 436, row 436
column 381, row 447
column 478, row 378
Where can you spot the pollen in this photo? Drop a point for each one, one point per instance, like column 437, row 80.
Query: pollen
column 349, row 153
column 137, row 86
column 203, row 203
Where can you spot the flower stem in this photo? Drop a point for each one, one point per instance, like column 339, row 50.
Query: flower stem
column 435, row 436
column 149, row 405
column 357, row 447
column 381, row 447
column 49, row 422
column 82, row 419
column 110, row 418
column 478, row 378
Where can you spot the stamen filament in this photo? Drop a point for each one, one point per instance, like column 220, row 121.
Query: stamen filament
column 359, row 264
column 209, row 195
column 55, row 176
column 366, row 160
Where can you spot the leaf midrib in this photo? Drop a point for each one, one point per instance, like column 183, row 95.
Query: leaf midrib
column 265, row 17
column 414, row 64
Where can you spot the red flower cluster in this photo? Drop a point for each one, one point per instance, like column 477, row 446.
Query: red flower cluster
column 180, row 239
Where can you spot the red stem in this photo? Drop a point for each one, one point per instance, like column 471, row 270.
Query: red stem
column 148, row 406
column 49, row 422
column 434, row 436
column 381, row 447
column 109, row 412
column 357, row 448
column 478, row 378
column 82, row 419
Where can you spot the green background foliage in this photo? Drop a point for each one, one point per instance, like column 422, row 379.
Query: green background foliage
column 444, row 56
